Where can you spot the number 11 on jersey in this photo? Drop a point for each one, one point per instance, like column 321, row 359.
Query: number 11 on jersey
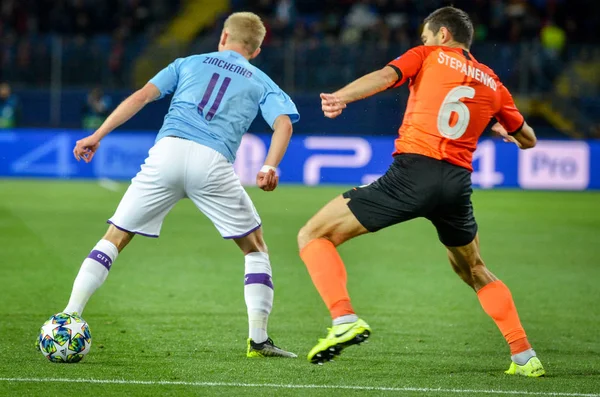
column 208, row 93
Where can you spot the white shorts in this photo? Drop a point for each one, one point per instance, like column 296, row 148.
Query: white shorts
column 178, row 168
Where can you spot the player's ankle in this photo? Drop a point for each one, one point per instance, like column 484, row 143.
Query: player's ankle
column 341, row 308
column 345, row 319
column 520, row 345
column 523, row 357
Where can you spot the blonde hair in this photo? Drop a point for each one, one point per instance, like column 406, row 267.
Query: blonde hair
column 247, row 29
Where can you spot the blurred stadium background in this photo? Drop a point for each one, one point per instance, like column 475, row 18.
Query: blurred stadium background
column 66, row 63
column 54, row 52
column 172, row 309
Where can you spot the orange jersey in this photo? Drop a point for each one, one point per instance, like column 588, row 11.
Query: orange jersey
column 452, row 99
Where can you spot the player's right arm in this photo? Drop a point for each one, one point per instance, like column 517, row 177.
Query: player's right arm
column 393, row 74
column 165, row 82
column 86, row 147
column 511, row 123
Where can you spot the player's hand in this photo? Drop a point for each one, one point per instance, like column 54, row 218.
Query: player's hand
column 267, row 181
column 331, row 105
column 501, row 131
column 86, row 148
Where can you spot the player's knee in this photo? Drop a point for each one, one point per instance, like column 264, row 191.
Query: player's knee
column 307, row 234
column 303, row 237
column 310, row 232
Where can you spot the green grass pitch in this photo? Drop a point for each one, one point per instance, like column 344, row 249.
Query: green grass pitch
column 172, row 308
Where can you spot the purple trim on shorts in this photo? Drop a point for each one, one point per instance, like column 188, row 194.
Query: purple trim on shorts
column 101, row 258
column 129, row 231
column 258, row 278
column 245, row 234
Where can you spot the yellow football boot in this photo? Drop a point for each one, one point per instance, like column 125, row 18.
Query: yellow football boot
column 266, row 349
column 533, row 368
column 338, row 338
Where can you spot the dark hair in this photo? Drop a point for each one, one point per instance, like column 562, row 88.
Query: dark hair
column 455, row 20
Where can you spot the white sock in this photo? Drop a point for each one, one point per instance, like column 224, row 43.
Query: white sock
column 91, row 276
column 523, row 357
column 258, row 293
column 345, row 319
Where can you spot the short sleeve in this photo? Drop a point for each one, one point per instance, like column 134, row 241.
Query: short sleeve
column 166, row 80
column 275, row 103
column 508, row 115
column 408, row 65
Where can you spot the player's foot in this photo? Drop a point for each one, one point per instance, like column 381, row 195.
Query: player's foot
column 267, row 349
column 533, row 368
column 338, row 338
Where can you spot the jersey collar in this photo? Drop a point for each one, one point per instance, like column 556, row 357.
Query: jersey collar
column 235, row 54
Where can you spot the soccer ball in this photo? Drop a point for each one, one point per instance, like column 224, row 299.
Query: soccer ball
column 65, row 338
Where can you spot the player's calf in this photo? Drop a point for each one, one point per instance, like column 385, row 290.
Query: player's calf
column 496, row 300
column 92, row 274
column 94, row 269
column 258, row 294
column 464, row 274
column 258, row 287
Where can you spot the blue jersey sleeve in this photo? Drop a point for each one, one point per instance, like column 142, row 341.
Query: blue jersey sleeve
column 166, row 80
column 275, row 103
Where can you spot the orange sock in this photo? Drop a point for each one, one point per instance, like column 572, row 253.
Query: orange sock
column 328, row 274
column 497, row 302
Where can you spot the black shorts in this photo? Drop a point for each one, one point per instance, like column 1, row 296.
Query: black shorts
column 418, row 186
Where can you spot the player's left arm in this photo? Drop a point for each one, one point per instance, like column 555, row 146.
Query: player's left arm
column 279, row 111
column 393, row 74
column 267, row 178
column 511, row 124
column 282, row 133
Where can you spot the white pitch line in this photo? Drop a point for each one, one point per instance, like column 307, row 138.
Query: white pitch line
column 292, row 386
column 109, row 184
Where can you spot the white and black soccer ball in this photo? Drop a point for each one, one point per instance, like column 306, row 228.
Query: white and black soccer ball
column 65, row 338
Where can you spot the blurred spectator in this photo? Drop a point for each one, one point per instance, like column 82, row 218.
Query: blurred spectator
column 96, row 32
column 108, row 35
column 498, row 20
column 553, row 39
column 116, row 58
column 9, row 107
column 96, row 109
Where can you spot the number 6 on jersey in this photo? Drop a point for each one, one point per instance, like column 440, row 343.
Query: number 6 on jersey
column 452, row 103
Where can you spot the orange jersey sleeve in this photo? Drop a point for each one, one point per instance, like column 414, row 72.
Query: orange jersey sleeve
column 408, row 65
column 508, row 116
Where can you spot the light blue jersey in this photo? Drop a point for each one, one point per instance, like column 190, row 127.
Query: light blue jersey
column 217, row 96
